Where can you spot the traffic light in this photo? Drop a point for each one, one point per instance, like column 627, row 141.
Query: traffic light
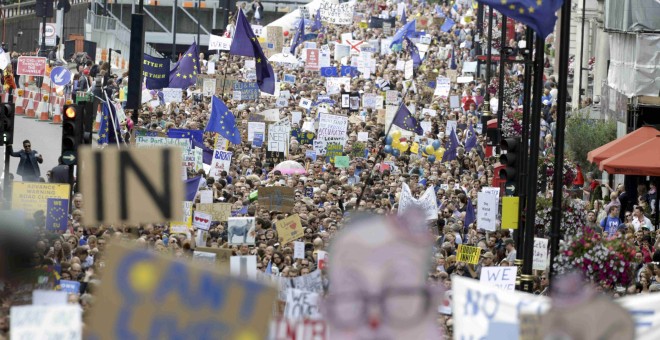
column 510, row 159
column 72, row 131
column 6, row 123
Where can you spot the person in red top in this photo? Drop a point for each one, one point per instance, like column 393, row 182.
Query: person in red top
column 9, row 78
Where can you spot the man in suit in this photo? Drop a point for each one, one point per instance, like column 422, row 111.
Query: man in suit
column 28, row 167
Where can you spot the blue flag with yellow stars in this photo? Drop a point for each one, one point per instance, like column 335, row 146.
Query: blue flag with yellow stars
column 245, row 43
column 298, row 38
column 105, row 135
column 539, row 15
column 450, row 153
column 407, row 30
column 405, row 120
column 223, row 122
column 57, row 214
column 193, row 135
column 184, row 73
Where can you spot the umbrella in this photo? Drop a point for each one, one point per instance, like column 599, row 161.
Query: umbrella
column 284, row 58
column 291, row 168
column 624, row 143
column 641, row 160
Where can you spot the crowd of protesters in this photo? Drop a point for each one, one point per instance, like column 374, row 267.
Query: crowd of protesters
column 78, row 253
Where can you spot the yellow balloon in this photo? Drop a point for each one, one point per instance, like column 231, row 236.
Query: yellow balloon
column 395, row 136
column 403, row 146
column 439, row 153
column 429, row 149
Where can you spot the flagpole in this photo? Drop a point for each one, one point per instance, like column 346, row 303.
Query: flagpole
column 112, row 118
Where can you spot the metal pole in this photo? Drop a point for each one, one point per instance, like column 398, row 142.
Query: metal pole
column 522, row 180
column 199, row 20
column 488, row 57
column 7, row 183
column 562, row 96
column 500, row 92
column 134, row 96
column 584, row 6
column 527, row 282
column 480, row 33
column 176, row 4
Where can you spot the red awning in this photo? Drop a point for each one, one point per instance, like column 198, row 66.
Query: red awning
column 641, row 160
column 624, row 143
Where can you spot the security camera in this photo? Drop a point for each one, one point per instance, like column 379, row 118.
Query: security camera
column 20, row 33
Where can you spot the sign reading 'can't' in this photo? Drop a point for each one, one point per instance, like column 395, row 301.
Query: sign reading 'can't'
column 31, row 66
column 131, row 185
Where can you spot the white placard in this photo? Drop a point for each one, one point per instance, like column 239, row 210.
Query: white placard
column 271, row 115
column 487, row 207
column 206, row 196
column 442, row 87
column 49, row 297
column 210, row 67
column 363, row 136
column 296, row 116
column 243, row 266
column 202, row 220
column 208, row 87
column 492, row 190
column 305, row 103
column 301, row 305
column 256, row 127
column 451, row 126
column 217, row 42
column 454, row 102
column 426, row 126
column 427, row 203
column 333, row 84
column 172, row 95
column 298, row 250
column 46, row 322
column 541, row 258
column 430, row 112
column 221, row 162
column 408, row 70
column 500, row 277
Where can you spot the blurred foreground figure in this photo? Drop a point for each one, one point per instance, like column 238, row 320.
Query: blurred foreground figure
column 378, row 288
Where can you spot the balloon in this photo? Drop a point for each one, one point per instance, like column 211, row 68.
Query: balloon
column 439, row 153
column 396, row 143
column 286, row 33
column 436, row 144
column 388, row 140
column 429, row 149
column 431, row 158
column 396, row 135
column 403, row 146
column 396, row 153
column 387, row 149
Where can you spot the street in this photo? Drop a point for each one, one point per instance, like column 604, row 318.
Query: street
column 46, row 138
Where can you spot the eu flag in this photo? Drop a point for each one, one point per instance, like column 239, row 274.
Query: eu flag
column 207, row 153
column 329, row 71
column 298, row 38
column 469, row 215
column 223, row 122
column 407, row 30
column 193, row 135
column 105, row 135
column 317, row 21
column 245, row 44
column 414, row 52
column 349, row 71
column 405, row 120
column 447, row 25
column 471, row 142
column 450, row 154
column 403, row 16
column 184, row 73
column 56, row 214
column 192, row 185
column 537, row 14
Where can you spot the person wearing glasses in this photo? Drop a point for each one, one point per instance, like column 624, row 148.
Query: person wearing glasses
column 28, row 167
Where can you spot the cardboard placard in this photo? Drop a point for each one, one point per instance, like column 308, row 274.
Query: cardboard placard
column 277, row 198
column 219, row 212
column 150, row 291
column 289, row 229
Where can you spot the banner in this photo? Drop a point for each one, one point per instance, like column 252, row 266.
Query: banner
column 312, row 59
column 427, row 202
column 338, row 14
column 156, row 71
column 217, row 42
column 500, row 277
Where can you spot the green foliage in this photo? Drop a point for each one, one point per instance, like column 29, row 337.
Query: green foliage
column 584, row 134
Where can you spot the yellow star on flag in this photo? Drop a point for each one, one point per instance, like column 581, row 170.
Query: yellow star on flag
column 512, row 6
column 190, row 54
column 178, row 74
column 521, row 10
column 539, row 2
column 531, row 10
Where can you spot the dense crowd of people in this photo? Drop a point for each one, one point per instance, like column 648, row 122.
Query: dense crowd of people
column 326, row 195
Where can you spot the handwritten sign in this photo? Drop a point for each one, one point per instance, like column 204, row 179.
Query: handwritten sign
column 501, row 277
column 248, row 91
column 541, row 257
column 219, row 212
column 217, row 42
column 487, row 207
column 301, row 305
column 153, row 295
column 426, row 203
column 468, row 254
column 46, row 322
column 290, row 229
column 221, row 162
column 172, row 95
column 277, row 198
column 338, row 14
column 298, row 250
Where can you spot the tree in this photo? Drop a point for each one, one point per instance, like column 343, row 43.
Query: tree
column 584, row 134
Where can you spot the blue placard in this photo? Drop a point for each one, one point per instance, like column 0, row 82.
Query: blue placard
column 309, row 192
column 249, row 91
column 258, row 140
column 57, row 214
column 311, row 154
column 60, row 76
column 70, row 286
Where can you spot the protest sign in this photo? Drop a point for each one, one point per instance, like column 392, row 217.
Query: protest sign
column 429, row 112
column 276, row 198
column 333, row 150
column 172, row 95
column 289, row 79
column 510, row 206
column 408, row 69
column 248, row 91
column 208, row 87
column 500, row 277
column 486, row 312
column 278, row 136
column 296, row 116
column 392, row 97
column 305, row 103
column 270, row 115
column 427, row 202
column 338, row 14
column 222, row 255
column 72, row 287
column 156, row 142
column 203, row 257
column 122, row 190
column 217, row 42
column 221, row 162
column 255, row 127
column 201, row 220
column 487, row 207
column 286, row 329
column 243, row 267
column 149, row 291
column 45, row 322
column 298, row 250
column 258, row 140
column 57, row 214
column 369, row 100
column 31, row 197
column 219, row 212
column 468, row 254
column 541, row 256
column 241, row 230
column 301, row 305
column 312, row 59
column 442, row 87
column 303, row 137
column 274, row 36
column 289, row 229
column 281, row 102
column 342, row 161
column 333, row 85
column 454, row 102
column 49, row 297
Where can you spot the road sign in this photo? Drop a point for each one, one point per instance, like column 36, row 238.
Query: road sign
column 31, row 66
column 60, row 75
column 51, row 37
column 68, row 157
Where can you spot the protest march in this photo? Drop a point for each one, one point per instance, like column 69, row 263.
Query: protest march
column 335, row 177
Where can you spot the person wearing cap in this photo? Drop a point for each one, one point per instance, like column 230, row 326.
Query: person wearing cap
column 487, row 260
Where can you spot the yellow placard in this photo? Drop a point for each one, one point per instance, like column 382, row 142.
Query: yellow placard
column 510, row 212
column 31, row 197
column 414, row 148
column 468, row 254
column 289, row 229
column 363, row 24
